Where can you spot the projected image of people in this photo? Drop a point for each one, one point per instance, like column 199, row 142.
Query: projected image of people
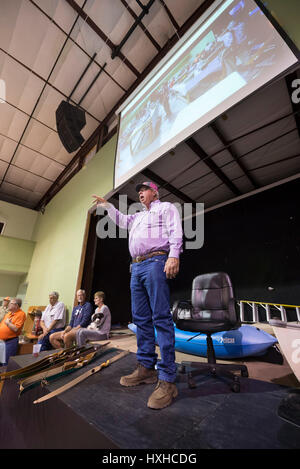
column 152, row 118
column 235, row 51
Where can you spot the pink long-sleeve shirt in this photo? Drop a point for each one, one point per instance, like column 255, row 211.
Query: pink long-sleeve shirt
column 156, row 229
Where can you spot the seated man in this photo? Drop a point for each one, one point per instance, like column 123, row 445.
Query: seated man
column 4, row 307
column 101, row 322
column 81, row 316
column 11, row 327
column 53, row 320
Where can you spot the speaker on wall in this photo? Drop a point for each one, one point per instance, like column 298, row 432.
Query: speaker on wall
column 69, row 122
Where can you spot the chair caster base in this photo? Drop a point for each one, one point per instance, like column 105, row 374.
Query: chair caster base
column 235, row 385
column 191, row 382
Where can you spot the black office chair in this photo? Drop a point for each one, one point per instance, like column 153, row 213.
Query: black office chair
column 212, row 310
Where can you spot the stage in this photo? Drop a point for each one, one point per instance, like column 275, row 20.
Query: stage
column 99, row 413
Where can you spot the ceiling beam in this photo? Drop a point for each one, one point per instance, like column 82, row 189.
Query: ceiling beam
column 102, row 35
column 13, row 199
column 48, row 83
column 268, row 142
column 232, row 152
column 140, row 24
column 76, row 43
column 152, row 176
column 33, row 150
column 198, row 150
column 198, row 178
column 145, row 11
column 19, row 187
column 27, row 171
column 171, row 17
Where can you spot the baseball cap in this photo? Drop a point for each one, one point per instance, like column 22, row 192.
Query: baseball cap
column 148, row 184
column 7, row 298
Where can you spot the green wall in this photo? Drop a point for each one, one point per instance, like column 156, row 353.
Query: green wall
column 9, row 284
column 60, row 230
column 287, row 13
column 19, row 221
column 16, row 248
column 15, row 254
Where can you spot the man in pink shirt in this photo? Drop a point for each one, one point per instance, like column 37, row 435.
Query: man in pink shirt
column 155, row 243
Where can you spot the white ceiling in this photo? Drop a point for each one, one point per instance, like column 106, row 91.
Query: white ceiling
column 45, row 46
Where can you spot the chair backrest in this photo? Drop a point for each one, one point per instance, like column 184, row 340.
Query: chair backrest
column 213, row 298
column 28, row 324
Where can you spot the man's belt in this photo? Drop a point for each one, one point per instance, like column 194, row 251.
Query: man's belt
column 148, row 256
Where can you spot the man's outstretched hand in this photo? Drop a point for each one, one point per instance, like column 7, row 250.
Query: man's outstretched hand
column 99, row 200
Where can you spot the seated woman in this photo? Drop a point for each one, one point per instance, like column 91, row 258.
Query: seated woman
column 99, row 328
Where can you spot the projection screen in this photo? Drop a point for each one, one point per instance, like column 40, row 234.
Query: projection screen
column 224, row 58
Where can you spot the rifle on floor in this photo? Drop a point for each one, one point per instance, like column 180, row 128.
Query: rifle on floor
column 43, row 377
column 82, row 377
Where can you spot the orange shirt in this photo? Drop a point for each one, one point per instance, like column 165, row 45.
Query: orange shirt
column 17, row 319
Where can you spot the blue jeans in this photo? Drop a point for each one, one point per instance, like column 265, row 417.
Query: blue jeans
column 46, row 345
column 11, row 348
column 150, row 300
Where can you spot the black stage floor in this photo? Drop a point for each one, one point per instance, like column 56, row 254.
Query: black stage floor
column 99, row 413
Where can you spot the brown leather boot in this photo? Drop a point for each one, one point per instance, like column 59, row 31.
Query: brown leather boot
column 141, row 375
column 163, row 395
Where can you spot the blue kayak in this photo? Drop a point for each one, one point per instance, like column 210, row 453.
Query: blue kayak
column 246, row 341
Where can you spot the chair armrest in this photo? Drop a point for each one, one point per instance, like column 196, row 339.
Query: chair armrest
column 181, row 310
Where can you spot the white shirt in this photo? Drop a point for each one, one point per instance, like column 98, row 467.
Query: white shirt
column 53, row 313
